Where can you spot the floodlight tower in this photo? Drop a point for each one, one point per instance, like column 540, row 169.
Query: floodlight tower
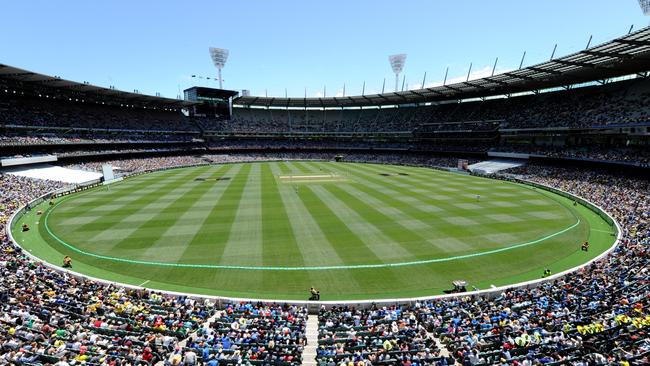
column 645, row 6
column 397, row 63
column 219, row 58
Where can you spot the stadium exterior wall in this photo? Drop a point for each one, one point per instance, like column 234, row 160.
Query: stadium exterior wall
column 314, row 306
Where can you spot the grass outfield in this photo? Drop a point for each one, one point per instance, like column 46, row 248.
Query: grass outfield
column 274, row 229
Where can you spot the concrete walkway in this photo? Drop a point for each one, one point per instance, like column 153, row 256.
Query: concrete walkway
column 309, row 353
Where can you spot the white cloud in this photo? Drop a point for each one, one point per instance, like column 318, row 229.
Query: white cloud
column 480, row 73
column 338, row 94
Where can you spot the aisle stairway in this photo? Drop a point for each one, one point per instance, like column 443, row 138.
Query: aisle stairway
column 309, row 353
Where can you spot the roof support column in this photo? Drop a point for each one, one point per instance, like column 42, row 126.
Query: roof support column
column 553, row 53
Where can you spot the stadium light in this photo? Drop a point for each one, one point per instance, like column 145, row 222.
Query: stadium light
column 397, row 63
column 219, row 57
column 645, row 6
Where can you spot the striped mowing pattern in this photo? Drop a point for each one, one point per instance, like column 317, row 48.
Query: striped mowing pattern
column 254, row 218
column 244, row 215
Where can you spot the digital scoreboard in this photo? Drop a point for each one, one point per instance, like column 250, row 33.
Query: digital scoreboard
column 211, row 102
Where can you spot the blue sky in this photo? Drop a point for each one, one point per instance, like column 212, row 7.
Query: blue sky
column 154, row 46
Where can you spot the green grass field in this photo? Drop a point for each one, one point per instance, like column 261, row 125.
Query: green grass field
column 274, row 229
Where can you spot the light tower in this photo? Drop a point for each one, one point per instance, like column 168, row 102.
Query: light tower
column 397, row 63
column 645, row 6
column 219, row 57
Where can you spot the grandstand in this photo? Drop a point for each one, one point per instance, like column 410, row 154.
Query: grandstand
column 578, row 125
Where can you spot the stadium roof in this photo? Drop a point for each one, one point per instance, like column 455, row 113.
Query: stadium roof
column 29, row 79
column 622, row 56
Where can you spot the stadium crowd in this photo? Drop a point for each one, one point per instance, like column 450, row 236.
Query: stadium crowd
column 92, row 138
column 474, row 126
column 51, row 112
column 260, row 333
column 142, row 165
column 623, row 103
column 344, row 146
column 376, row 336
column 139, row 165
column 639, row 155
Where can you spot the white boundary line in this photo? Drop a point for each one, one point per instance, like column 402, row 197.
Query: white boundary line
column 144, row 283
column 313, row 306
